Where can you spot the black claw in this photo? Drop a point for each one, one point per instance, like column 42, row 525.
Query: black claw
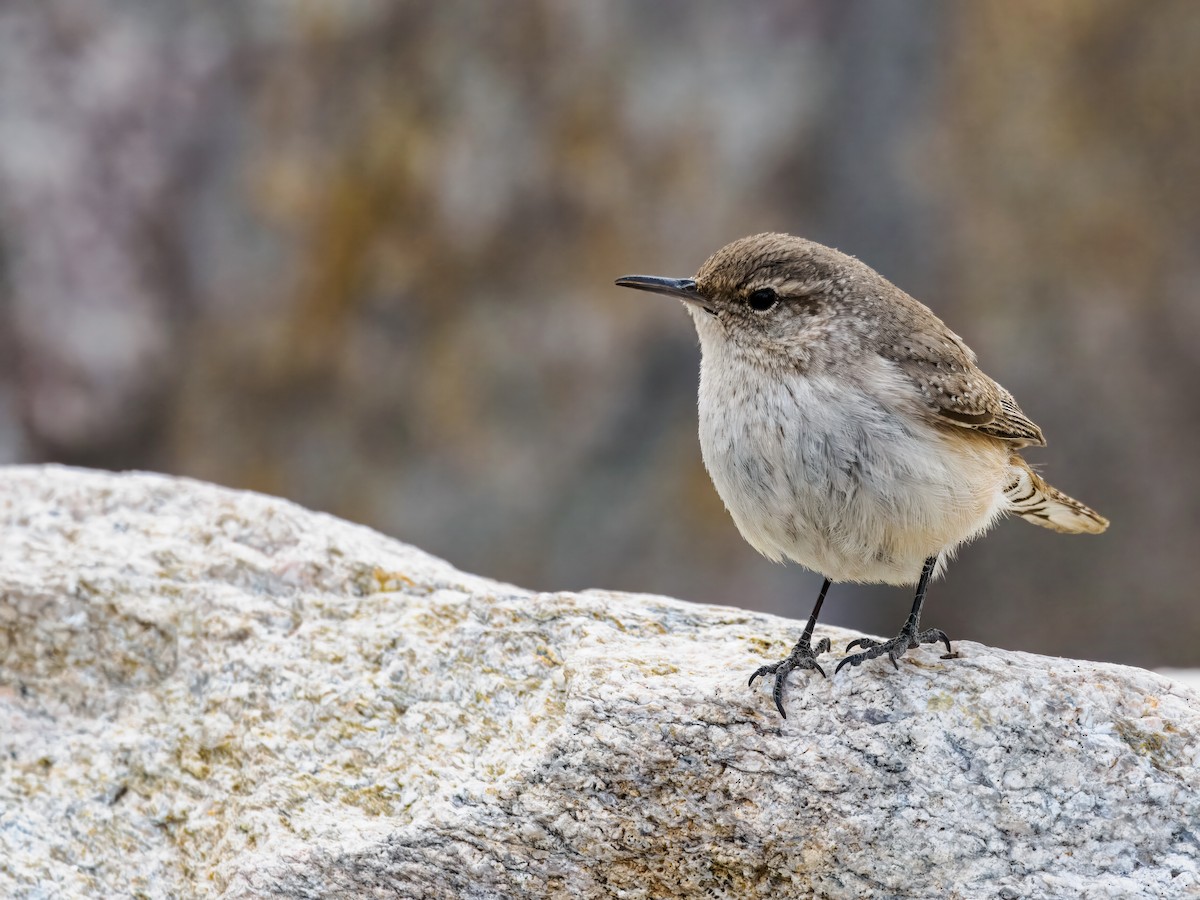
column 802, row 656
column 777, row 693
column 763, row 671
column 933, row 635
column 895, row 648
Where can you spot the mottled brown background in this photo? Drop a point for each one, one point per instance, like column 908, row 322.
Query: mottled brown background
column 360, row 254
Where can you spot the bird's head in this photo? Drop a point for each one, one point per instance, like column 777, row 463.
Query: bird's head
column 767, row 296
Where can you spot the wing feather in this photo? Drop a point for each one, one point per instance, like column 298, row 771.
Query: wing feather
column 956, row 390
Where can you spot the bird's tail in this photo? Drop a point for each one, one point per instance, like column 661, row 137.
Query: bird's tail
column 1031, row 498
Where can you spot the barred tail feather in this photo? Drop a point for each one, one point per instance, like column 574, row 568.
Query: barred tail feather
column 1031, row 498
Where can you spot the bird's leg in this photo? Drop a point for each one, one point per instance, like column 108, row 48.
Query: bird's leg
column 908, row 638
column 803, row 655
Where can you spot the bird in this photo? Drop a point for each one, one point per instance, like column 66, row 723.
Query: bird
column 848, row 429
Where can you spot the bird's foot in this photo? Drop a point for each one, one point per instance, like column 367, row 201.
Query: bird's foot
column 803, row 656
column 908, row 639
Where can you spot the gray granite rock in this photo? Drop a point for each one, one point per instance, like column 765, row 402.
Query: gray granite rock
column 213, row 693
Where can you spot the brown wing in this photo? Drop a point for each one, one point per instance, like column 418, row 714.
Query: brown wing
column 1011, row 423
column 943, row 368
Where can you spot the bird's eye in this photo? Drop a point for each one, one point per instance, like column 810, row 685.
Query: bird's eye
column 763, row 299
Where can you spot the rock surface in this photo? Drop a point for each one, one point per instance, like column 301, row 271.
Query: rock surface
column 213, row 693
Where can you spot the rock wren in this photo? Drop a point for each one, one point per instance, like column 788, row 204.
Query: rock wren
column 847, row 428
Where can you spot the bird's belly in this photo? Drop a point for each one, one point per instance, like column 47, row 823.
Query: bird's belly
column 831, row 477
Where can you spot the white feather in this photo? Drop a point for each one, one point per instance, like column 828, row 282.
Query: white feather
column 841, row 472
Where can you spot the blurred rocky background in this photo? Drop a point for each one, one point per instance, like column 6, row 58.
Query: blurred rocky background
column 360, row 254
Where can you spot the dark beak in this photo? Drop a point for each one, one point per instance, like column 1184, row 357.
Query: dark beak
column 680, row 288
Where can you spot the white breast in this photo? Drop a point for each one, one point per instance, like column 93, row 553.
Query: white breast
column 842, row 475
